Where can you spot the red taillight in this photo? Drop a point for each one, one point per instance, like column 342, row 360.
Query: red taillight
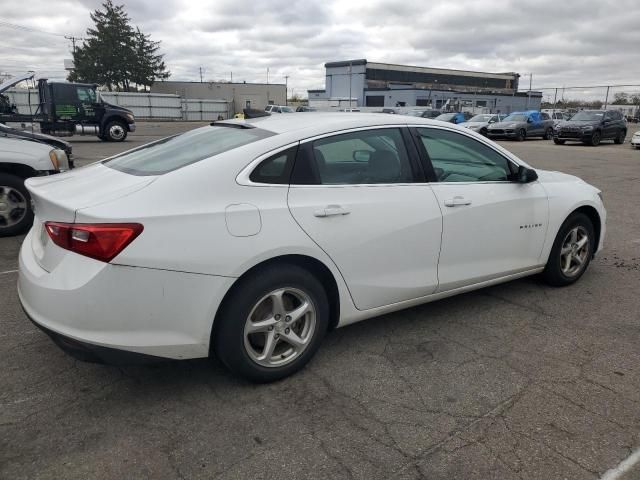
column 102, row 241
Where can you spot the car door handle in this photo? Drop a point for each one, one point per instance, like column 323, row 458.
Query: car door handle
column 331, row 210
column 456, row 202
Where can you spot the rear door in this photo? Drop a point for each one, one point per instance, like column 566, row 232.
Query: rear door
column 360, row 196
column 492, row 225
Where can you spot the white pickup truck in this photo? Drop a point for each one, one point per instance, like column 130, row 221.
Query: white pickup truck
column 21, row 159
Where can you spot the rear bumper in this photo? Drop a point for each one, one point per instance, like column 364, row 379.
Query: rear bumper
column 99, row 307
column 88, row 352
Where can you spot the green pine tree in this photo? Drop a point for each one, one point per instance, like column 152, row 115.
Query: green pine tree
column 115, row 54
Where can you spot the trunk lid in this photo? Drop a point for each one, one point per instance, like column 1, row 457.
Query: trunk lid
column 56, row 198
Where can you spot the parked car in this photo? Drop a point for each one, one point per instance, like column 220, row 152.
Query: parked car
column 349, row 109
column 591, row 127
column 21, row 159
column 455, row 117
column 304, row 108
column 635, row 140
column 522, row 125
column 424, row 113
column 55, row 142
column 278, row 109
column 479, row 123
column 258, row 275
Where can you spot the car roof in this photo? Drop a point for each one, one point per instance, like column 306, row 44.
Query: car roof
column 326, row 122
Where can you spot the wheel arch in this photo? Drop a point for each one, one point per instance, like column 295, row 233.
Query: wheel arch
column 18, row 169
column 594, row 216
column 311, row 264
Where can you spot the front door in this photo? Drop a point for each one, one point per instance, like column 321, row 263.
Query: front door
column 355, row 195
column 492, row 225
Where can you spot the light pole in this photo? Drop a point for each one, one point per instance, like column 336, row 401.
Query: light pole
column 286, row 89
column 350, row 76
column 529, row 92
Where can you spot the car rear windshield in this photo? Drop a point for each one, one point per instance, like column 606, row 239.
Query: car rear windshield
column 171, row 153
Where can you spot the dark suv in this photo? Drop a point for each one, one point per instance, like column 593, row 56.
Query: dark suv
column 592, row 126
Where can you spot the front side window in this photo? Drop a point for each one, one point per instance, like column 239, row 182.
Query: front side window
column 364, row 157
column 459, row 158
column 175, row 152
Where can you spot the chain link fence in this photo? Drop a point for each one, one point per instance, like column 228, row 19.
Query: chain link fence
column 624, row 98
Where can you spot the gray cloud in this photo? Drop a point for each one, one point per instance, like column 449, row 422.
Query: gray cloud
column 561, row 44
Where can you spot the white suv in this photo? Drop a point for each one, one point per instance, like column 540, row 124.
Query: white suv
column 279, row 109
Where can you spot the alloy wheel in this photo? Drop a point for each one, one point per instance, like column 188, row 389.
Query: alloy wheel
column 575, row 251
column 280, row 327
column 13, row 206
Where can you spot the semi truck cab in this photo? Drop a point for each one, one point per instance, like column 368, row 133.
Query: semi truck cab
column 75, row 108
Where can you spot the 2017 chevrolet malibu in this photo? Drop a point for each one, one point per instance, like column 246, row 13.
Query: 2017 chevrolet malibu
column 250, row 239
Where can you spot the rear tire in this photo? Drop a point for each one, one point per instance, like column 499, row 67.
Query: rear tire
column 548, row 135
column 16, row 214
column 620, row 137
column 569, row 259
column 115, row 131
column 558, row 141
column 252, row 318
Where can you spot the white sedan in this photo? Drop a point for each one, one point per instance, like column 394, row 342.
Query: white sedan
column 250, row 239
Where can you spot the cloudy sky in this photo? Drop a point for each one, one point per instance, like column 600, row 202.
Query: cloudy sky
column 567, row 43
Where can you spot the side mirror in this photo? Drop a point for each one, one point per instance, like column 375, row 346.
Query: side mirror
column 361, row 155
column 526, row 175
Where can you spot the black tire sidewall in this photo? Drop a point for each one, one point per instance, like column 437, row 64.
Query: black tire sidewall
column 228, row 336
column 13, row 181
column 553, row 271
column 595, row 139
column 522, row 135
column 558, row 142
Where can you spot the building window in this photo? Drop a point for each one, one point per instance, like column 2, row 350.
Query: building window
column 375, row 101
column 422, row 102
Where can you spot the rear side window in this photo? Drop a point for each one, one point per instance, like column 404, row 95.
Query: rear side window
column 276, row 169
column 364, row 157
column 175, row 152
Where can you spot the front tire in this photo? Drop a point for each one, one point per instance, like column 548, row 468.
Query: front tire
column 272, row 323
column 115, row 131
column 522, row 135
column 571, row 252
column 16, row 215
column 548, row 135
column 594, row 141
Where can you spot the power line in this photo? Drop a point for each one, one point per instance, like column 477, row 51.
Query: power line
column 4, row 23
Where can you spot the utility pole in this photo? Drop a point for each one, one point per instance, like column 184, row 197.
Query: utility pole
column 231, row 77
column 200, row 74
column 529, row 92
column 286, row 89
column 267, row 75
column 73, row 41
column 606, row 100
column 350, row 77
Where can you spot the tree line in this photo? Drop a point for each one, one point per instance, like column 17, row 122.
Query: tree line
column 116, row 54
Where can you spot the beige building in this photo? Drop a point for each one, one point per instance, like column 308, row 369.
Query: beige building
column 238, row 95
